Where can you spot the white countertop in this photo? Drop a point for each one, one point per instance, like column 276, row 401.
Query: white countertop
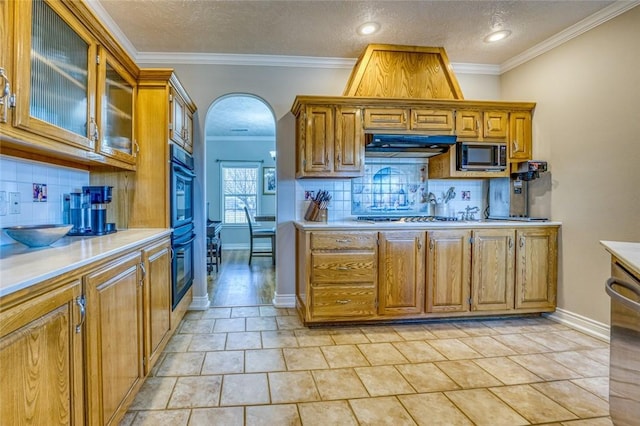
column 21, row 266
column 627, row 252
column 375, row 226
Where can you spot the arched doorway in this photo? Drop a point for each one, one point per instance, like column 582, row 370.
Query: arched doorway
column 240, row 170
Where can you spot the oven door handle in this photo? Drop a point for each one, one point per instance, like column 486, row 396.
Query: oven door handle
column 180, row 169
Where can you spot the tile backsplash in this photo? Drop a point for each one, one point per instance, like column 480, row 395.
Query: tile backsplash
column 391, row 187
column 40, row 188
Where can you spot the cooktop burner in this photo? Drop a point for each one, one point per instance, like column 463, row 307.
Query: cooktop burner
column 406, row 218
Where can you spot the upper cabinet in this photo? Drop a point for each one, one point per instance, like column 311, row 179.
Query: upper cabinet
column 520, row 144
column 482, row 125
column 72, row 89
column 438, row 120
column 181, row 119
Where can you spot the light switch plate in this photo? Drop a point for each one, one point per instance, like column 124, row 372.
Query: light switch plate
column 14, row 203
column 4, row 203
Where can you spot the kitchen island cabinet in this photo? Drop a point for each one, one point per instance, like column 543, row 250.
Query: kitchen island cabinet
column 41, row 358
column 442, row 270
column 95, row 358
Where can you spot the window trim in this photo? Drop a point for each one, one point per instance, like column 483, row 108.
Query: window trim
column 240, row 164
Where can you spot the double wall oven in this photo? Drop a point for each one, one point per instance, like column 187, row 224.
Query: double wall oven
column 182, row 184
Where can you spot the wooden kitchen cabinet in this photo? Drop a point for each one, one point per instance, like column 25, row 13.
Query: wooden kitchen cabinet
column 536, row 268
column 401, row 272
column 329, row 141
column 520, row 138
column 482, row 125
column 41, row 358
column 181, row 118
column 114, row 337
column 448, row 270
column 157, row 301
column 72, row 87
column 492, row 269
column 338, row 278
column 440, row 120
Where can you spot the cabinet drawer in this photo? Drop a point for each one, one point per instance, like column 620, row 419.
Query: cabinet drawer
column 343, row 240
column 334, row 268
column 343, row 301
column 385, row 118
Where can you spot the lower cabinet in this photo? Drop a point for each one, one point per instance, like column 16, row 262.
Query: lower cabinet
column 401, row 273
column 41, row 359
column 448, row 270
column 425, row 273
column 114, row 337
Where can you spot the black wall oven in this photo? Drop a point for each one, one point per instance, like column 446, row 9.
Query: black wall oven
column 182, row 184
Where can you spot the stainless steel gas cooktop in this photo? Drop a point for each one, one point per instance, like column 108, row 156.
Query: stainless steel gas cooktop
column 406, row 219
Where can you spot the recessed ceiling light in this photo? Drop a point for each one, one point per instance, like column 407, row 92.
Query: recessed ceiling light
column 368, row 28
column 497, row 36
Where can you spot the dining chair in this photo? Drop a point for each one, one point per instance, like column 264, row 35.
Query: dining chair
column 256, row 233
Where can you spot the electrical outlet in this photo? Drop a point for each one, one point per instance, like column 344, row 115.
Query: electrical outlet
column 3, row 203
column 308, row 195
column 14, row 203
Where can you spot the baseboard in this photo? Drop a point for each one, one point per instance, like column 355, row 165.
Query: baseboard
column 200, row 303
column 284, row 300
column 581, row 323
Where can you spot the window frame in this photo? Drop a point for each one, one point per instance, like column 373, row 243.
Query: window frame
column 230, row 164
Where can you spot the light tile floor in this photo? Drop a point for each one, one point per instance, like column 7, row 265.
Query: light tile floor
column 260, row 366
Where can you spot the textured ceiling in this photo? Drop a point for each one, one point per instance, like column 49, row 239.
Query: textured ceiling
column 327, row 29
column 321, row 28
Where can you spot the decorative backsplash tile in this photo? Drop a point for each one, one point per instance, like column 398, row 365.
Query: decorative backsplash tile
column 34, row 182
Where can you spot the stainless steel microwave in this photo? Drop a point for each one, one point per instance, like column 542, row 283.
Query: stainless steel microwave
column 481, row 156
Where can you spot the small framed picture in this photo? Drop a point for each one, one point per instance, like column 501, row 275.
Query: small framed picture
column 268, row 180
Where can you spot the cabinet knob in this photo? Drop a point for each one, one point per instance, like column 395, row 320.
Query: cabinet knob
column 343, row 241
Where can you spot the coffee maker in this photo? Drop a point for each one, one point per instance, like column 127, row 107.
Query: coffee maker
column 88, row 211
column 509, row 198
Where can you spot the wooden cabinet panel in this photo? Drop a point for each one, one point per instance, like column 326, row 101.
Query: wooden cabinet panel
column 360, row 240
column 536, row 271
column 440, row 120
column 468, row 124
column 520, row 146
column 343, row 301
column 386, row 118
column 349, row 140
column 319, row 136
column 335, row 268
column 41, row 359
column 495, row 124
column 493, row 269
column 157, row 301
column 114, row 337
column 448, row 274
column 401, row 278
column 181, row 118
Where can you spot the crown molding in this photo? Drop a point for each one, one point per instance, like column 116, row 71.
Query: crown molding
column 246, row 60
column 464, row 68
column 111, row 25
column 598, row 18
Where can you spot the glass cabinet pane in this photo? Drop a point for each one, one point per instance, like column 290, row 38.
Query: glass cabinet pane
column 117, row 119
column 59, row 77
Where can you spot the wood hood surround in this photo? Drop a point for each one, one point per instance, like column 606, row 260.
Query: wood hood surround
column 403, row 90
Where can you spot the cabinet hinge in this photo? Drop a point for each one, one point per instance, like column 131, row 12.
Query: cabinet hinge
column 470, row 240
column 97, row 59
column 170, row 98
column 144, row 361
column 470, row 300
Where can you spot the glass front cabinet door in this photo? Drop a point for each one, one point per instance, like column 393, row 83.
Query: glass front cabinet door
column 116, row 106
column 55, row 74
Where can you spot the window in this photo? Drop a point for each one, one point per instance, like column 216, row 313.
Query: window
column 239, row 188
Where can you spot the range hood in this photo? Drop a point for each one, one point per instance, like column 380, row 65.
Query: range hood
column 406, row 145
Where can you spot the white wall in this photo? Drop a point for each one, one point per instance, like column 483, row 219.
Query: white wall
column 587, row 125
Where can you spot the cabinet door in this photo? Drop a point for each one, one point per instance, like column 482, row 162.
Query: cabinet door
column 495, row 124
column 536, row 268
column 41, row 359
column 349, row 141
column 114, row 337
column 55, row 75
column 157, row 301
column 116, row 106
column 318, row 139
column 386, row 118
column 492, row 269
column 6, row 68
column 448, row 271
column 176, row 126
column 188, row 130
column 440, row 120
column 520, row 136
column 468, row 124
column 401, row 277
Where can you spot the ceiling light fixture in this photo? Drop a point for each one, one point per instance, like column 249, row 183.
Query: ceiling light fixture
column 497, row 36
column 368, row 28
